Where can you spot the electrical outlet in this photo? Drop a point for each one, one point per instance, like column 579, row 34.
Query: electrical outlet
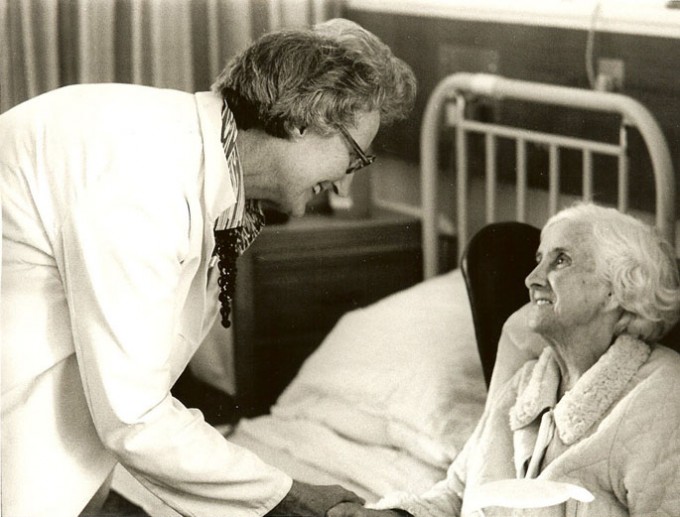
column 456, row 58
column 610, row 74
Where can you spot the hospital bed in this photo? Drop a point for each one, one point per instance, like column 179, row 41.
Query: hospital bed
column 389, row 398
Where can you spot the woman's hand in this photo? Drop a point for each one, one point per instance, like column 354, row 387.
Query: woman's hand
column 357, row 510
column 306, row 500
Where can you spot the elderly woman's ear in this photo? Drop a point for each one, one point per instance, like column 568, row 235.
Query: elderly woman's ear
column 612, row 304
column 621, row 317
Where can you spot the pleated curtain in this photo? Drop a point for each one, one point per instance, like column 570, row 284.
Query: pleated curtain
column 181, row 44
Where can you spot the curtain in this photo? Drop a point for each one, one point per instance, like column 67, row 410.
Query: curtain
column 181, row 44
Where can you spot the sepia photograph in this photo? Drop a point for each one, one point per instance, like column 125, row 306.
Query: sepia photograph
column 340, row 258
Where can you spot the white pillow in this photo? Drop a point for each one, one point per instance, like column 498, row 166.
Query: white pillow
column 402, row 373
column 517, row 345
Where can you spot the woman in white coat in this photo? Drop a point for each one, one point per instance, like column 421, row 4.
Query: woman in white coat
column 112, row 197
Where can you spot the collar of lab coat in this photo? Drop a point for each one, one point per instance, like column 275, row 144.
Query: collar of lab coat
column 218, row 193
column 586, row 403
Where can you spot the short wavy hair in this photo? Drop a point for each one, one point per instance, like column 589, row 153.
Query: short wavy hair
column 315, row 78
column 638, row 264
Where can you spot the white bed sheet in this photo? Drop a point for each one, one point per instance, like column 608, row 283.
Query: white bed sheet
column 312, row 453
column 383, row 405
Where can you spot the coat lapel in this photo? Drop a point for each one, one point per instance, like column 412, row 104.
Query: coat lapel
column 582, row 406
column 599, row 388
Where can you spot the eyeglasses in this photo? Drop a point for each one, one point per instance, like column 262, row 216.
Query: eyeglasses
column 362, row 160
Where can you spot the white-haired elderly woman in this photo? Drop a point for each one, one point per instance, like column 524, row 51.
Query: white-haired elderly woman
column 592, row 427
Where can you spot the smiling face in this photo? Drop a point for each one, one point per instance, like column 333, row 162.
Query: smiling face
column 311, row 163
column 567, row 293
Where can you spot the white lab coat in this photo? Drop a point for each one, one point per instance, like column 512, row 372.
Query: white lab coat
column 109, row 195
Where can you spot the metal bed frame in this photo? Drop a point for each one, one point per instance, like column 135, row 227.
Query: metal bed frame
column 452, row 93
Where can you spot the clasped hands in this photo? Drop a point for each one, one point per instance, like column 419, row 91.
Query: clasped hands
column 305, row 500
column 358, row 510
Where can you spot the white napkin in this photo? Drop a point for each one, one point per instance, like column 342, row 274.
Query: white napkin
column 524, row 493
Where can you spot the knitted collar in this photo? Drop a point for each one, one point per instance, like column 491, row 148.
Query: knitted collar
column 594, row 393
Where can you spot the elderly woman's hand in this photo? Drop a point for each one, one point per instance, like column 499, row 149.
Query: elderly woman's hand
column 356, row 510
column 313, row 500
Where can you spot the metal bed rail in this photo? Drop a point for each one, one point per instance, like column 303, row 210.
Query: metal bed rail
column 458, row 87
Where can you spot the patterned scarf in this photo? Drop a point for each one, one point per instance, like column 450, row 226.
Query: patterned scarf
column 237, row 227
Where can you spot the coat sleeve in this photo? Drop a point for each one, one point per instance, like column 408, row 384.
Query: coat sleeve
column 123, row 248
column 445, row 498
column 645, row 454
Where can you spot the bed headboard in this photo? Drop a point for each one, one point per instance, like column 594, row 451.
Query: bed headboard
column 446, row 108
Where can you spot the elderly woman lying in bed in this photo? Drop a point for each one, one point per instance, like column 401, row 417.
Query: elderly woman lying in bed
column 593, row 426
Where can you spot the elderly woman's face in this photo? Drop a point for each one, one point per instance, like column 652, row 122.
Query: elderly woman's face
column 565, row 288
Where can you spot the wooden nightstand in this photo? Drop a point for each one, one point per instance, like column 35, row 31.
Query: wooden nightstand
column 298, row 278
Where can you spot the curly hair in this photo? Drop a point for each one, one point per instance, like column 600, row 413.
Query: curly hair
column 315, row 78
column 638, row 264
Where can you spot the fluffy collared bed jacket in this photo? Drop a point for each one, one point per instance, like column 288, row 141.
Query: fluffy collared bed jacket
column 616, row 434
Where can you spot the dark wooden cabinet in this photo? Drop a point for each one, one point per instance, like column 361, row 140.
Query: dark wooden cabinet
column 299, row 278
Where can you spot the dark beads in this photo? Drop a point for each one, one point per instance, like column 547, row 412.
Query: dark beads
column 228, row 249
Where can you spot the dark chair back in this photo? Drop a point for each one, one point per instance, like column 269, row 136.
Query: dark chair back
column 494, row 265
column 672, row 339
